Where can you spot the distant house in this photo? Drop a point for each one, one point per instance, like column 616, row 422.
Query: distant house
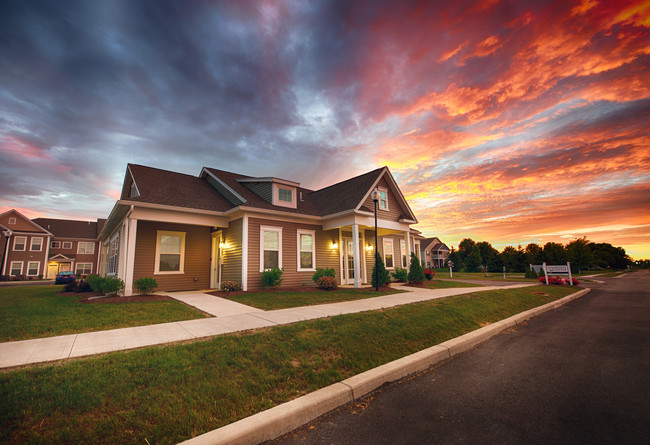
column 434, row 252
column 195, row 232
column 42, row 247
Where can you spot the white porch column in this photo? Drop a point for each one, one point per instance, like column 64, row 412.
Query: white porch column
column 129, row 264
column 407, row 236
column 357, row 254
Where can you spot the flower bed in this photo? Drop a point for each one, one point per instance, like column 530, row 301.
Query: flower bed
column 558, row 281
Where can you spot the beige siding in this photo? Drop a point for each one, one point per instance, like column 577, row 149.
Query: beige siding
column 197, row 256
column 232, row 254
column 394, row 210
column 325, row 255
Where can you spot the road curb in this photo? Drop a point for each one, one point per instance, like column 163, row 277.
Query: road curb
column 282, row 419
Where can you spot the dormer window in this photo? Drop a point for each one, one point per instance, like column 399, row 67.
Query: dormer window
column 285, row 195
column 383, row 199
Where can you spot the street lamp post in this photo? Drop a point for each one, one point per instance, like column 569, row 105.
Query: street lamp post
column 375, row 198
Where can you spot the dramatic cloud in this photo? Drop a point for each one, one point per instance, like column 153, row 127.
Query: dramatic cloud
column 506, row 121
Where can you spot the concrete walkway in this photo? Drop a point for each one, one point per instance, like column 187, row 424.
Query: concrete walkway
column 230, row 317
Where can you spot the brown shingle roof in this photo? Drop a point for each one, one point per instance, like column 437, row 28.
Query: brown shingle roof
column 164, row 187
column 345, row 195
column 65, row 228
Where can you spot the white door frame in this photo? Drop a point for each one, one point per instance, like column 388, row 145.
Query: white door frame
column 215, row 261
column 346, row 254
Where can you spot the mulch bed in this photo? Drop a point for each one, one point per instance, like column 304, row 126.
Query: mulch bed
column 85, row 298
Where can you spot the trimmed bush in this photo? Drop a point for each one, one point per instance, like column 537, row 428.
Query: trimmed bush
column 230, row 286
column 323, row 272
column 400, row 274
column 145, row 286
column 112, row 287
column 273, row 277
column 416, row 274
column 83, row 286
column 429, row 273
column 326, row 282
column 94, row 281
column 384, row 275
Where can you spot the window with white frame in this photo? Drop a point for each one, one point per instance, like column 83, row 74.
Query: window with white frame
column 36, row 245
column 16, row 268
column 83, row 269
column 55, row 245
column 383, row 199
column 402, row 248
column 306, row 250
column 32, row 268
column 170, row 252
column 12, row 221
column 113, row 255
column 20, row 243
column 66, row 245
column 388, row 253
column 85, row 247
column 270, row 248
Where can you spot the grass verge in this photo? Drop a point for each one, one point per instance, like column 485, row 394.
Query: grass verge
column 518, row 277
column 39, row 311
column 440, row 284
column 285, row 299
column 169, row 394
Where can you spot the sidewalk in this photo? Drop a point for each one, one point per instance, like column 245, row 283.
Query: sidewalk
column 234, row 317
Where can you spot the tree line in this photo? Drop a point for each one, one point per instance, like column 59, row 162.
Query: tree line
column 473, row 256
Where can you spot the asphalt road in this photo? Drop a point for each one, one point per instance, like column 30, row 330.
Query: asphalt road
column 576, row 375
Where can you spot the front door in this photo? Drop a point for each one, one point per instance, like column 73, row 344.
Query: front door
column 348, row 261
column 215, row 263
column 52, row 270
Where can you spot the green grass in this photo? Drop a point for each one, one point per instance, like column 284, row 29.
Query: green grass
column 39, row 311
column 494, row 276
column 281, row 300
column 440, row 284
column 169, row 394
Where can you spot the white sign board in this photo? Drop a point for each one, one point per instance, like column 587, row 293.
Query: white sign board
column 557, row 269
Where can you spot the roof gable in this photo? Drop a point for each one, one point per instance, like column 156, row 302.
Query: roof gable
column 22, row 223
column 407, row 213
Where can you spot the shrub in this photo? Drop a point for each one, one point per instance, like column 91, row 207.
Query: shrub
column 326, row 282
column 400, row 274
column 428, row 273
column 112, row 287
column 94, row 281
column 416, row 274
column 145, row 286
column 230, row 286
column 70, row 287
column 323, row 272
column 384, row 275
column 273, row 277
column 83, row 286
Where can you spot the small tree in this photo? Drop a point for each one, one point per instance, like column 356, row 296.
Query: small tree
column 416, row 274
column 384, row 275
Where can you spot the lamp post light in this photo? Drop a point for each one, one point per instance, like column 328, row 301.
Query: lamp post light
column 375, row 198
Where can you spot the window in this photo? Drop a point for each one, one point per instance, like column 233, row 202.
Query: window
column 306, row 250
column 67, row 245
column 19, row 243
column 55, row 244
column 113, row 255
column 16, row 268
column 388, row 253
column 383, row 199
column 12, row 221
column 170, row 252
column 271, row 248
column 32, row 268
column 402, row 248
column 83, row 269
column 84, row 247
column 285, row 195
column 36, row 245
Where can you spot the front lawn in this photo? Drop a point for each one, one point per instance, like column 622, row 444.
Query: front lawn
column 446, row 284
column 492, row 276
column 282, row 299
column 172, row 393
column 39, row 311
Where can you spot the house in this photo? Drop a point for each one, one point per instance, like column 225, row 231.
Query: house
column 195, row 232
column 434, row 252
column 42, row 247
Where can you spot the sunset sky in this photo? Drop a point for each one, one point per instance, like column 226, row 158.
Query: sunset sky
column 505, row 121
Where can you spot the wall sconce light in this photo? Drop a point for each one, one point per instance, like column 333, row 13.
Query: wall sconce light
column 370, row 247
column 222, row 245
column 335, row 245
